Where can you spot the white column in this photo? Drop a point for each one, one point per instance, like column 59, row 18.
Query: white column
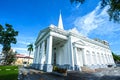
column 48, row 63
column 49, row 50
column 42, row 53
column 76, row 56
column 105, row 58
column 77, row 66
column 105, row 62
column 96, row 58
column 71, row 52
column 100, row 60
column 37, row 57
column 84, row 58
column 91, row 57
column 108, row 59
column 34, row 61
column 38, row 53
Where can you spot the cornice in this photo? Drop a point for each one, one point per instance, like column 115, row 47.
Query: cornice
column 67, row 34
column 58, row 30
column 88, row 40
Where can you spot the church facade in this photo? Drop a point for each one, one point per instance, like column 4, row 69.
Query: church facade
column 69, row 49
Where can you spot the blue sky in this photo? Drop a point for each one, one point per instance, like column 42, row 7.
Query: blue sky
column 30, row 16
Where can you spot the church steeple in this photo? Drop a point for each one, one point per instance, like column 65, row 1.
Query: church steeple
column 60, row 23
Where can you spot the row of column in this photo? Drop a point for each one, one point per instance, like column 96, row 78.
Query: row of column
column 93, row 58
column 43, row 55
column 98, row 58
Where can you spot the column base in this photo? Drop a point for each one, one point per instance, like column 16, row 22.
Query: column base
column 41, row 66
column 77, row 68
column 35, row 66
column 68, row 67
column 47, row 68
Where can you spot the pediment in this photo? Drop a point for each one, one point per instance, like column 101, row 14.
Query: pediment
column 41, row 34
column 79, row 42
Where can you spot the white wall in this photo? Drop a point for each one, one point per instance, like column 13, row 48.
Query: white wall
column 95, row 54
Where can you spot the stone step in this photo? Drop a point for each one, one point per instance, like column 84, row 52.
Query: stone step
column 87, row 69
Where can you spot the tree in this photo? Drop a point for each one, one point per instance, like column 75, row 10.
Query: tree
column 11, row 56
column 115, row 57
column 113, row 11
column 7, row 37
column 30, row 49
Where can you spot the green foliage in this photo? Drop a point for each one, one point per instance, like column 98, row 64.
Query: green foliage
column 59, row 70
column 6, row 67
column 116, row 57
column 7, row 37
column 113, row 11
column 30, row 49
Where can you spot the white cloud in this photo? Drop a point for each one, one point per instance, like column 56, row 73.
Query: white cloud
column 24, row 42
column 25, row 39
column 22, row 49
column 91, row 21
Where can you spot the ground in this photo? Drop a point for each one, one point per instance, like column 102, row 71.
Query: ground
column 99, row 74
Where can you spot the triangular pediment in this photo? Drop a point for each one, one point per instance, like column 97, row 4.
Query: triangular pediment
column 41, row 34
column 79, row 42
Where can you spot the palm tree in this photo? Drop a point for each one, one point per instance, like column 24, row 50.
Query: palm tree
column 30, row 49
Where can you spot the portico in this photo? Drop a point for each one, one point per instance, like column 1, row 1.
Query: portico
column 46, row 50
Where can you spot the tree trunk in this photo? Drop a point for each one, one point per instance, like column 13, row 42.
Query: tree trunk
column 29, row 57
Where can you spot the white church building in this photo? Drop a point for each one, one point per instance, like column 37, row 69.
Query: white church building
column 69, row 49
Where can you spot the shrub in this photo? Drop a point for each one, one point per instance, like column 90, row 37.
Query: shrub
column 59, row 70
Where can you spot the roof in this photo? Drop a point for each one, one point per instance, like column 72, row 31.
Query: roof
column 22, row 56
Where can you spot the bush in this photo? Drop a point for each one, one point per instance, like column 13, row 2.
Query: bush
column 59, row 70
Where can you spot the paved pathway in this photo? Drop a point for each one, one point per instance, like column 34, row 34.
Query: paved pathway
column 32, row 74
column 107, row 74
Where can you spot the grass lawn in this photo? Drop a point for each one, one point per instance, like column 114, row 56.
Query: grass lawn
column 8, row 72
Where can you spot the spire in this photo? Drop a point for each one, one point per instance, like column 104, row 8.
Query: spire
column 60, row 23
